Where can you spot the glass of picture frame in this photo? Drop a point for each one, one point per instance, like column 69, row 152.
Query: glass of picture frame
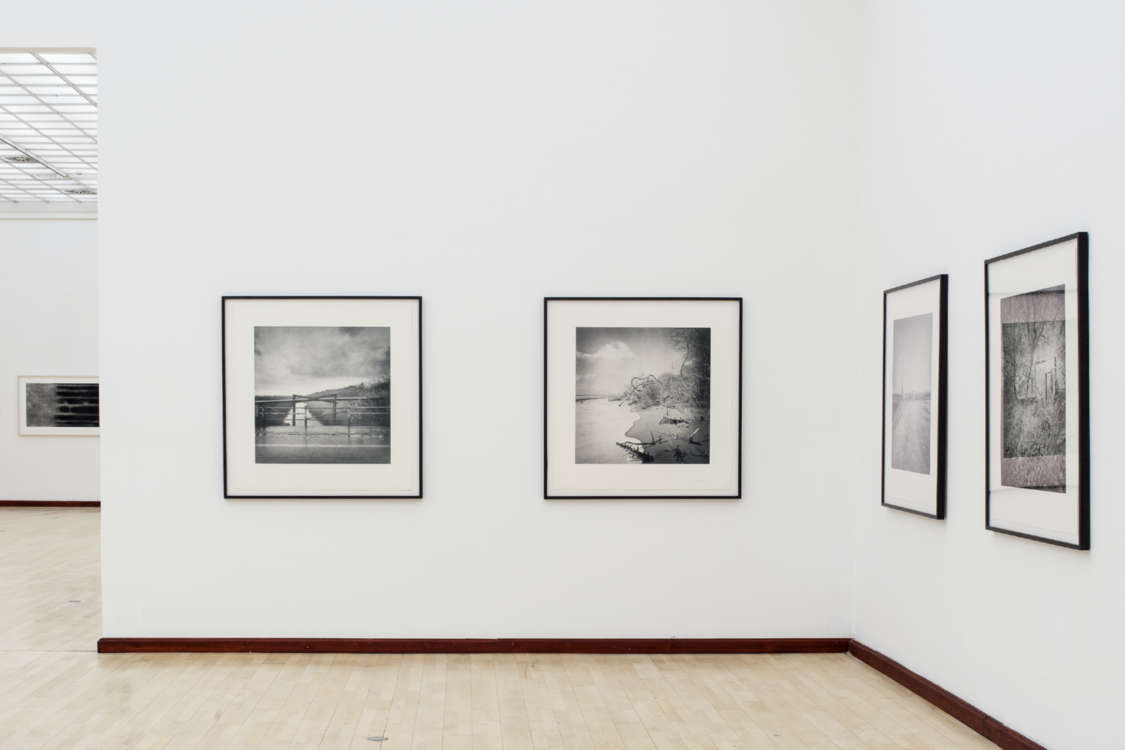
column 322, row 397
column 914, row 383
column 643, row 397
column 1037, row 392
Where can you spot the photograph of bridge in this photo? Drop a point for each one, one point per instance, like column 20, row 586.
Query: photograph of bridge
column 322, row 395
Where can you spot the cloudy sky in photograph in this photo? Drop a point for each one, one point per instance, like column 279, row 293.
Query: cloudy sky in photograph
column 913, row 354
column 309, row 359
column 607, row 359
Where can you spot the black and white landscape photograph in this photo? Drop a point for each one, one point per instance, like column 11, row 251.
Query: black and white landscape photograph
column 1034, row 390
column 62, row 405
column 643, row 395
column 911, row 389
column 322, row 395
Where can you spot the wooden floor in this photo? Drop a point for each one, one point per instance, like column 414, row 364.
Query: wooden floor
column 56, row 692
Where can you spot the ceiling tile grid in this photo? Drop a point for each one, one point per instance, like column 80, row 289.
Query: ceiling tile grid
column 48, row 127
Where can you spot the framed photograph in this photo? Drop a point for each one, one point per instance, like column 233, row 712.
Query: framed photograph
column 59, row 406
column 322, row 397
column 643, row 397
column 914, row 362
column 1038, row 394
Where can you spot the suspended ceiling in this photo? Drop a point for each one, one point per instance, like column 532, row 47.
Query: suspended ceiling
column 48, row 127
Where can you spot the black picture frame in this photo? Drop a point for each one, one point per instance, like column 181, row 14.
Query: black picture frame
column 731, row 359
column 1067, row 261
column 414, row 412
column 938, row 330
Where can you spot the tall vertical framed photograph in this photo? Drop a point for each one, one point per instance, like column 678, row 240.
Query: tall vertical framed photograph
column 1038, row 394
column 59, row 406
column 643, row 397
column 914, row 369
column 322, row 397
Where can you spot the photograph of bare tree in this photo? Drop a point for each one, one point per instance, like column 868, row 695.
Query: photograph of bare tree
column 911, row 390
column 1034, row 390
column 642, row 395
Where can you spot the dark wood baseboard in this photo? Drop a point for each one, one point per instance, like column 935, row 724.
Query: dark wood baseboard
column 673, row 645
column 477, row 645
column 969, row 715
column 50, row 504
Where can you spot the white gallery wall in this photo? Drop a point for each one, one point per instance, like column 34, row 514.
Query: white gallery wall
column 49, row 309
column 993, row 127
column 483, row 157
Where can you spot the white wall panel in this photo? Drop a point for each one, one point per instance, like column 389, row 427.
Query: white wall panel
column 483, row 156
column 993, row 127
column 48, row 326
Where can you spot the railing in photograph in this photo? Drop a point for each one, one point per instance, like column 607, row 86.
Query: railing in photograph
column 330, row 411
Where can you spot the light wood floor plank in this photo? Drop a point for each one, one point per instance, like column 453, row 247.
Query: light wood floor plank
column 564, row 704
column 56, row 693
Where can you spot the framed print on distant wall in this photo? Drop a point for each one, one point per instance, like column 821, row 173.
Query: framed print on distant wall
column 59, row 406
column 914, row 368
column 322, row 397
column 643, row 397
column 1037, row 393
